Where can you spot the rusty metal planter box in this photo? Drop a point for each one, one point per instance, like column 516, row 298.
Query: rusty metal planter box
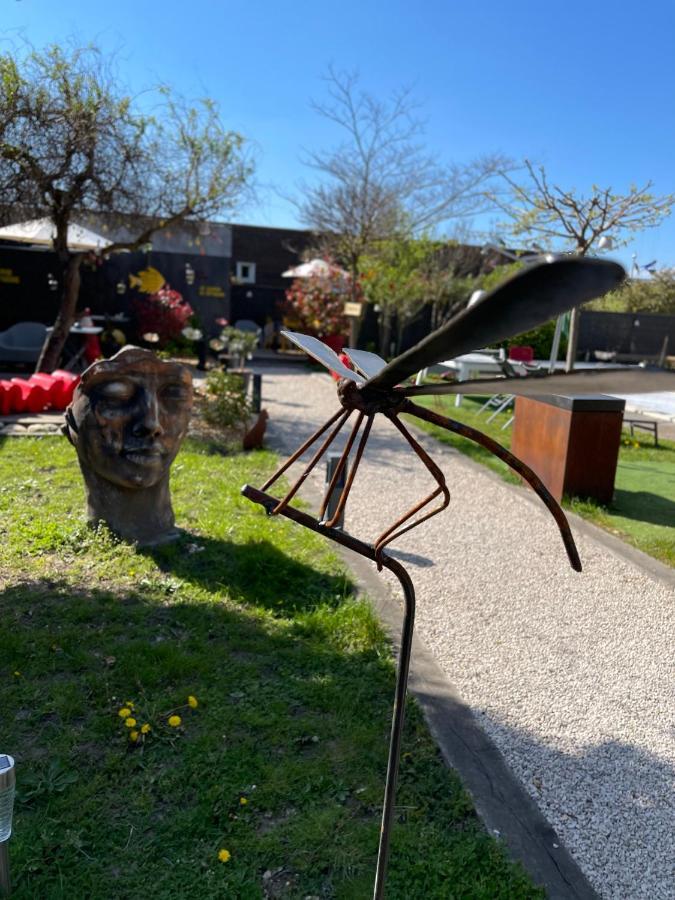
column 572, row 443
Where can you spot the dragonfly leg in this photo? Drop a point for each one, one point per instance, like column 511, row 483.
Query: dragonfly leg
column 341, row 419
column 516, row 464
column 396, row 530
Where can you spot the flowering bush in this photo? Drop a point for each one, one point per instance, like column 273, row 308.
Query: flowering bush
column 163, row 313
column 315, row 305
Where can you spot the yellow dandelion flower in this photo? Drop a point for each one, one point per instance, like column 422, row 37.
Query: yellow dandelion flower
column 224, row 855
column 133, row 735
column 130, row 722
column 17, row 674
column 174, row 721
column 129, row 704
column 145, row 729
column 124, row 713
column 193, row 702
column 243, row 801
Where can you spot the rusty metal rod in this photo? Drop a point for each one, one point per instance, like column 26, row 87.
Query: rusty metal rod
column 346, row 540
column 516, row 464
column 308, row 443
column 392, row 533
column 340, row 467
column 314, row 460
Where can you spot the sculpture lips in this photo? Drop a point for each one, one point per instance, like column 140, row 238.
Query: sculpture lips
column 143, row 455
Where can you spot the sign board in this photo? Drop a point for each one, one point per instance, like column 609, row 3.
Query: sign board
column 353, row 309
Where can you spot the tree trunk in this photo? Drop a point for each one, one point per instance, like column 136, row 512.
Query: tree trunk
column 385, row 333
column 53, row 345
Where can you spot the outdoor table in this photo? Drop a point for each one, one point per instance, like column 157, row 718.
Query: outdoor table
column 77, row 353
column 468, row 365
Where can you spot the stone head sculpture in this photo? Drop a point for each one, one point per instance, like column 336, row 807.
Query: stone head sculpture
column 127, row 420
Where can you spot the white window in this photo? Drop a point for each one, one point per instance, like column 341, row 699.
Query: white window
column 245, row 273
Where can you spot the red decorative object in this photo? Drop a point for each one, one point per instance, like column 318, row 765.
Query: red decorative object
column 343, row 359
column 33, row 397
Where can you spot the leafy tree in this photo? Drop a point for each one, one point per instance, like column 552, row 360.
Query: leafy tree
column 564, row 219
column 73, row 142
column 646, row 295
column 378, row 183
column 404, row 275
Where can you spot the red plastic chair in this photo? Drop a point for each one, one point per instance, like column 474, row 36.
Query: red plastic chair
column 521, row 354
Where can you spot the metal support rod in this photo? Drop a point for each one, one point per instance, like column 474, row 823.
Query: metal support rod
column 397, row 719
column 350, row 480
column 337, row 472
column 336, row 475
column 256, row 392
column 5, row 881
column 271, row 504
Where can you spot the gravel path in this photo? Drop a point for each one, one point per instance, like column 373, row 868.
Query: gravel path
column 570, row 674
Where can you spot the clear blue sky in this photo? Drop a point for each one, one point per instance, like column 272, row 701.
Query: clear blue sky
column 587, row 88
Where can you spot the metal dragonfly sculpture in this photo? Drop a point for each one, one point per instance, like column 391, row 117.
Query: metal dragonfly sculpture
column 533, row 296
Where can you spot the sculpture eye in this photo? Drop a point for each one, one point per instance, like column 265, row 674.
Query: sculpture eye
column 175, row 392
column 117, row 392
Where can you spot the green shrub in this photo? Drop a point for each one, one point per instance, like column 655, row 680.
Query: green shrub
column 226, row 405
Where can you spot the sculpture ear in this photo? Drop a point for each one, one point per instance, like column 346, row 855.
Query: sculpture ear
column 70, row 428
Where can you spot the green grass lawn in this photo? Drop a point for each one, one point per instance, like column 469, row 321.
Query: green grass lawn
column 643, row 509
column 281, row 763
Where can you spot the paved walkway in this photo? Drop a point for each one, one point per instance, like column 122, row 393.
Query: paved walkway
column 570, row 674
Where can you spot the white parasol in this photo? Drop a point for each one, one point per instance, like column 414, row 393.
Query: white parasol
column 312, row 268
column 43, row 231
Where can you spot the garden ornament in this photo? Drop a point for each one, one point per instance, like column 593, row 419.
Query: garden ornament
column 127, row 420
column 532, row 297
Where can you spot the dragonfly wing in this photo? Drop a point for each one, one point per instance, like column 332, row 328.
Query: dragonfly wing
column 323, row 354
column 585, row 381
column 369, row 364
column 530, row 298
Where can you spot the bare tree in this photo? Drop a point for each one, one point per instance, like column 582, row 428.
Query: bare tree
column 571, row 221
column 73, row 143
column 378, row 183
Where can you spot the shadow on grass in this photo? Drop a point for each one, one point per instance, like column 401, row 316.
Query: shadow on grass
column 643, row 506
column 287, row 720
column 256, row 572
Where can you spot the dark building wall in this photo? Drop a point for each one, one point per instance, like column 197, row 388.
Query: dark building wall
column 627, row 334
column 273, row 250
column 25, row 294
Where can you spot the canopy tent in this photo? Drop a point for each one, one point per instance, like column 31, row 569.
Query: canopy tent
column 43, row 231
column 312, row 268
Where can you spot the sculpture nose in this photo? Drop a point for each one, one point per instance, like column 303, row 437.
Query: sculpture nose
column 148, row 422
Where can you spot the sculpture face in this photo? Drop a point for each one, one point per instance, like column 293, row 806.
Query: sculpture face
column 129, row 415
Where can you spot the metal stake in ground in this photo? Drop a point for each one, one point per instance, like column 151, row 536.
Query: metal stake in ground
column 7, row 782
